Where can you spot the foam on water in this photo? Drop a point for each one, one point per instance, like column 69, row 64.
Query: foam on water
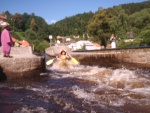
column 81, row 93
column 26, row 109
column 110, row 85
column 79, row 88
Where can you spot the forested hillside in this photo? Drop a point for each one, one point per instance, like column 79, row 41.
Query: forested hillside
column 135, row 7
column 75, row 25
column 127, row 21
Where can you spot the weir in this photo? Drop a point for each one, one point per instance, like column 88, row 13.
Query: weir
column 23, row 64
column 127, row 57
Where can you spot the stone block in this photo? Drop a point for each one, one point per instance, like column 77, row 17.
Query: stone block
column 22, row 66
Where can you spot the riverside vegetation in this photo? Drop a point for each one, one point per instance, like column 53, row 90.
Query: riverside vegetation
column 98, row 25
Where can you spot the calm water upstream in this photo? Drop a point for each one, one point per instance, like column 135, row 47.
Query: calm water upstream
column 78, row 89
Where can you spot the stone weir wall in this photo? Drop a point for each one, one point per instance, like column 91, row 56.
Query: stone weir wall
column 23, row 64
column 128, row 58
column 117, row 58
column 55, row 50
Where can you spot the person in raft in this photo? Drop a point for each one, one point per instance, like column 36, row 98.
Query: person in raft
column 63, row 59
column 63, row 56
column 6, row 40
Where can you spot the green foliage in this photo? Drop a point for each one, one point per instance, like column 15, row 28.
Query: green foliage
column 20, row 35
column 135, row 7
column 135, row 43
column 127, row 21
column 145, row 36
column 115, row 20
column 33, row 25
column 30, row 35
column 99, row 26
column 17, row 21
column 15, row 35
column 119, row 22
column 74, row 25
column 40, row 47
column 123, row 44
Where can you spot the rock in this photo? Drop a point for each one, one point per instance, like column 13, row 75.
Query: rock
column 23, row 64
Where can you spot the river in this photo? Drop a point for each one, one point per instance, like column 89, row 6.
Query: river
column 78, row 89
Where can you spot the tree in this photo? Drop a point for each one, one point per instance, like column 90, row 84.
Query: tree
column 119, row 22
column 17, row 20
column 8, row 15
column 145, row 38
column 33, row 25
column 30, row 35
column 99, row 25
column 74, row 25
column 141, row 20
column 25, row 18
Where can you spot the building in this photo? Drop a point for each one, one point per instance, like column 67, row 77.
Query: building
column 84, row 45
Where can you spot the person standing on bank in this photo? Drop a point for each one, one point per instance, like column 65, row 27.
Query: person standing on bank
column 6, row 40
column 113, row 43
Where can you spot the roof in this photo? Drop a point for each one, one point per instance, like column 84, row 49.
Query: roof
column 24, row 43
column 2, row 17
column 84, row 42
column 96, row 44
column 59, row 37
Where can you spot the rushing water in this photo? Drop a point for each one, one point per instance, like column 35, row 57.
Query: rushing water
column 78, row 89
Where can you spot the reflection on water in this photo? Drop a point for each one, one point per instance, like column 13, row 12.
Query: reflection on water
column 79, row 89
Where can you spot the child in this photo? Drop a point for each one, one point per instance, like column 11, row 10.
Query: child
column 63, row 57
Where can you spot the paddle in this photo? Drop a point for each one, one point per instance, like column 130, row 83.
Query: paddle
column 74, row 60
column 50, row 61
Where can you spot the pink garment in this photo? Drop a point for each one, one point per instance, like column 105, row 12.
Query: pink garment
column 5, row 39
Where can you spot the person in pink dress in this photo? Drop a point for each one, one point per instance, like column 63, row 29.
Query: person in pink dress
column 6, row 40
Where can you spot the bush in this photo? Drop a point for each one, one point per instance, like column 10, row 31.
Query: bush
column 123, row 44
column 40, row 46
column 145, row 36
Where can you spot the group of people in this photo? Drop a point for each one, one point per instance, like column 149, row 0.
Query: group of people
column 6, row 40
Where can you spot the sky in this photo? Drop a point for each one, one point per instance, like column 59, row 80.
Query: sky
column 56, row 10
